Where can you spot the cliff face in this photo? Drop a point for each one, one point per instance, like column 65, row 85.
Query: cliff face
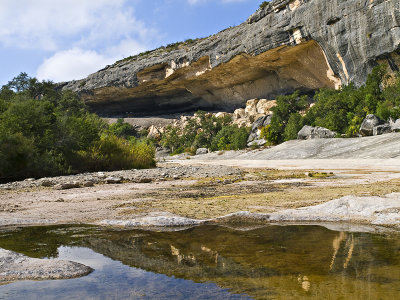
column 287, row 45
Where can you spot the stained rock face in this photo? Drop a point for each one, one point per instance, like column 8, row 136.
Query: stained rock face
column 287, row 45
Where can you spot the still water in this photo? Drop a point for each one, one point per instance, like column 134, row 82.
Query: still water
column 211, row 262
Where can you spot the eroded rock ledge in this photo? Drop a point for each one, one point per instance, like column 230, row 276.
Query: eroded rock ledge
column 287, row 45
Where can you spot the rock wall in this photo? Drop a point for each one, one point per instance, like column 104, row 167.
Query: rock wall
column 287, row 45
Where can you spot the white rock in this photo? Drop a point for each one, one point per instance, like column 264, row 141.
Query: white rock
column 239, row 113
column 264, row 106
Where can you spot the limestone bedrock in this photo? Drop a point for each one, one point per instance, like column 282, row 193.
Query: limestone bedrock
column 284, row 46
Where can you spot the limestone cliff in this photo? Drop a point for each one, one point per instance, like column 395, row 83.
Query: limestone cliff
column 284, row 46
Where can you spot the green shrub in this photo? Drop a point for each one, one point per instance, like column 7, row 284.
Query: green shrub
column 293, row 126
column 338, row 110
column 171, row 138
column 230, row 137
column 54, row 134
column 205, row 131
column 114, row 153
column 122, row 129
column 286, row 106
column 354, row 125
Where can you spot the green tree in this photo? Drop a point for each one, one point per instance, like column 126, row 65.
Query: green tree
column 122, row 129
column 286, row 105
column 45, row 132
column 293, row 126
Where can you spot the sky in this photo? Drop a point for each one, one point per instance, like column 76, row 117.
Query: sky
column 62, row 40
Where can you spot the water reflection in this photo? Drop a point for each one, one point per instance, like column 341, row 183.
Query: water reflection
column 273, row 262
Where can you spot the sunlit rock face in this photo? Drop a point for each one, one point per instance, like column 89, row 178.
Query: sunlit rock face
column 287, row 45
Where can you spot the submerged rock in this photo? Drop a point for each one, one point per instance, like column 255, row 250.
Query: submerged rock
column 15, row 266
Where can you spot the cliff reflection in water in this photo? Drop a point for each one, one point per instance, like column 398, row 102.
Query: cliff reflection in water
column 273, row 260
column 267, row 262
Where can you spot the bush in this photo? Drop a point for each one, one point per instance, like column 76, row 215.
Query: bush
column 286, row 106
column 205, row 131
column 230, row 138
column 342, row 110
column 293, row 126
column 114, row 153
column 338, row 110
column 54, row 134
column 122, row 129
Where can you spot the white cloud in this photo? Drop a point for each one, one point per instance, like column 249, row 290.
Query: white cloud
column 77, row 63
column 48, row 24
column 82, row 36
column 71, row 64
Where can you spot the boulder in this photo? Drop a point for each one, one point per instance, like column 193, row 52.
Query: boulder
column 201, row 151
column 259, row 123
column 154, row 132
column 113, row 180
column 305, row 133
column 239, row 113
column 257, row 126
column 267, row 120
column 251, row 107
column 222, row 115
column 47, row 183
column 264, row 106
column 252, row 136
column 258, row 143
column 67, row 185
column 162, row 152
column 145, row 180
column 309, row 132
column 382, row 129
column 88, row 183
column 395, row 125
column 367, row 126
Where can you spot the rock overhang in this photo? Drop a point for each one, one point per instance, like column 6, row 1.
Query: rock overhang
column 284, row 46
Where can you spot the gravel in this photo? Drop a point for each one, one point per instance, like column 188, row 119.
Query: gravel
column 127, row 176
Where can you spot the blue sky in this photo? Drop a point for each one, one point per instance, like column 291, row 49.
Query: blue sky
column 62, row 40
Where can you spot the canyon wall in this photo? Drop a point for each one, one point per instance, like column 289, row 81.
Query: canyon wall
column 284, row 46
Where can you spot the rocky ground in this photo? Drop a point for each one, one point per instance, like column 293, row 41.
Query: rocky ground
column 187, row 194
column 127, row 176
